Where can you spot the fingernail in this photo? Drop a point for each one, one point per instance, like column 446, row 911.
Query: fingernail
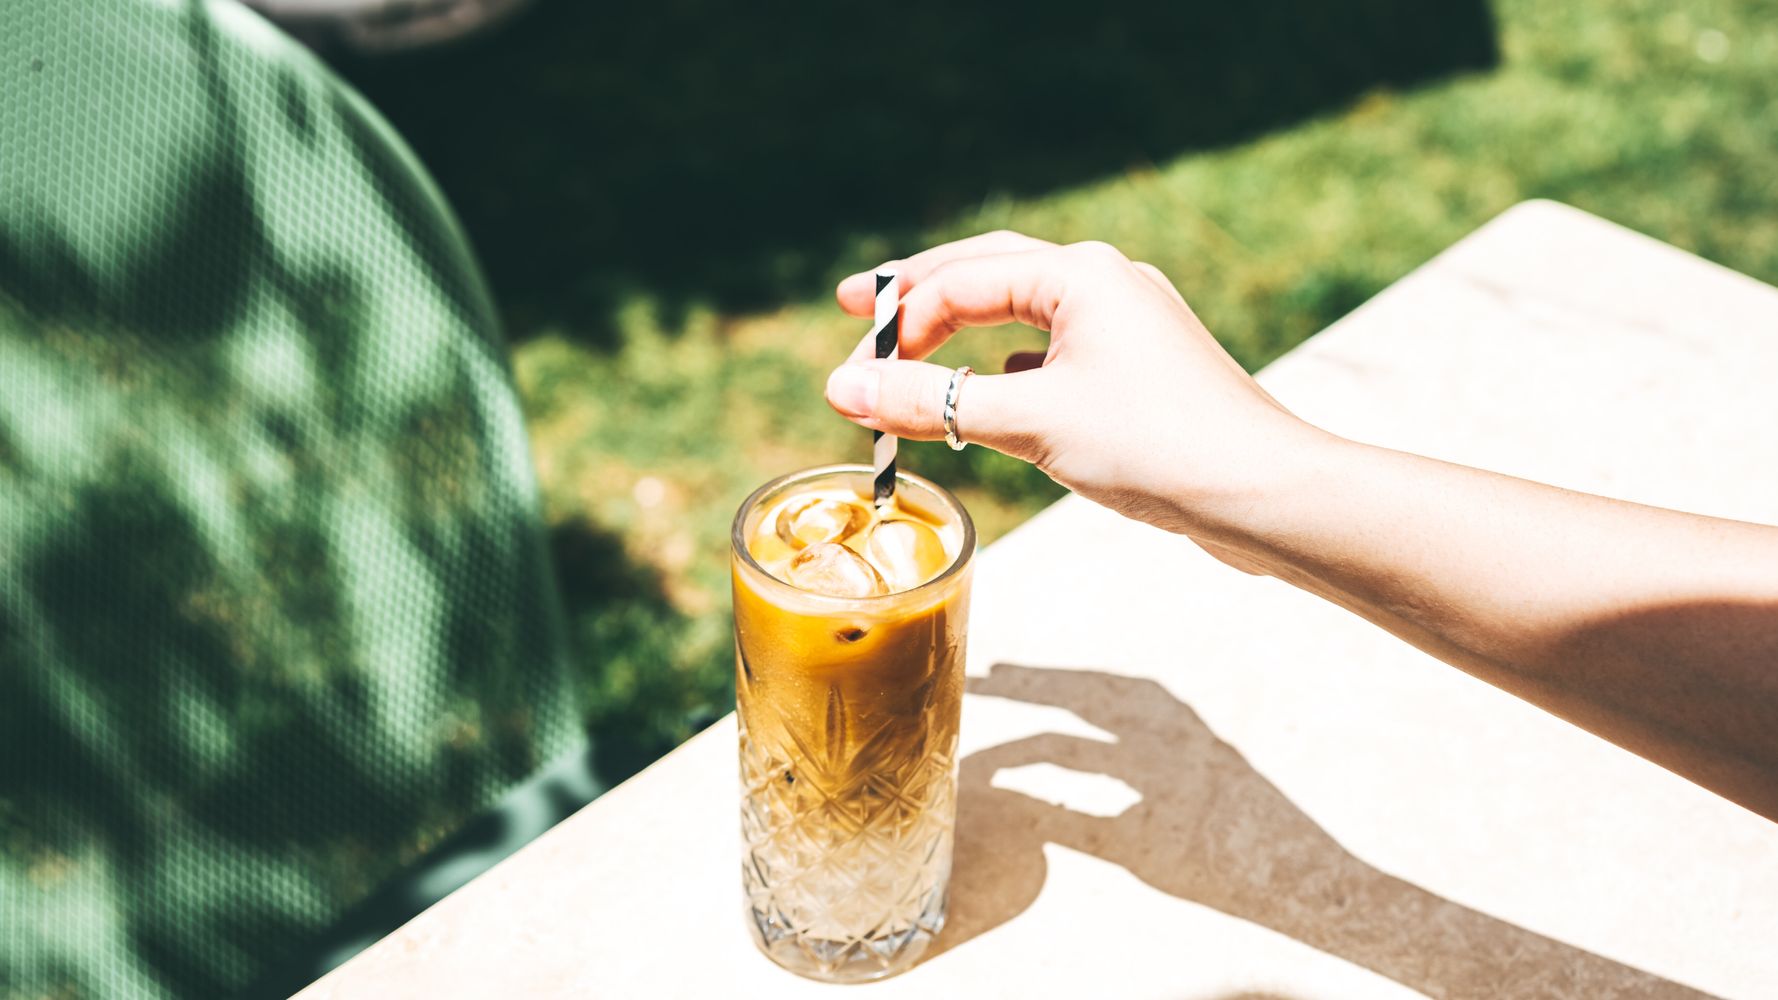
column 852, row 390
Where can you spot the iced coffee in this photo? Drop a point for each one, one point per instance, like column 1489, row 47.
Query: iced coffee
column 850, row 622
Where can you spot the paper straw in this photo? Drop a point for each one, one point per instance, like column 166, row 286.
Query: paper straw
column 888, row 339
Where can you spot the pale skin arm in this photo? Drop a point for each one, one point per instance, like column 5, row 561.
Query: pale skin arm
column 1655, row 629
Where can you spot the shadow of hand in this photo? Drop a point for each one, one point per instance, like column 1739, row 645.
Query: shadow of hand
column 1213, row 830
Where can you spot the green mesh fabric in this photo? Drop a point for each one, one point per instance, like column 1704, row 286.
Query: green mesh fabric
column 275, row 613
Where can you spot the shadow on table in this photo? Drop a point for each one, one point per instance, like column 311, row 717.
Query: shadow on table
column 1212, row 830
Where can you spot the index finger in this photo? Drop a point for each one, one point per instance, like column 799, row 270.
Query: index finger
column 1021, row 287
column 857, row 294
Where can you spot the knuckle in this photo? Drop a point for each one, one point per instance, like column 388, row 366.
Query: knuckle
column 1154, row 274
column 1096, row 252
column 932, row 298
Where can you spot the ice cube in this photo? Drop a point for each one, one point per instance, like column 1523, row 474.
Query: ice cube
column 821, row 519
column 906, row 553
column 832, row 569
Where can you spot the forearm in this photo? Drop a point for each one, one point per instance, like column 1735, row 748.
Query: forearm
column 1655, row 629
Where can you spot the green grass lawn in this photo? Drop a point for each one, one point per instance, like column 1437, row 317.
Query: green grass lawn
column 652, row 417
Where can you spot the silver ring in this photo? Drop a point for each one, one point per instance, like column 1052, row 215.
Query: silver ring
column 950, row 410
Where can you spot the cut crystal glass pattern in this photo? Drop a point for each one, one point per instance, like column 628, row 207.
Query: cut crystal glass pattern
column 846, row 856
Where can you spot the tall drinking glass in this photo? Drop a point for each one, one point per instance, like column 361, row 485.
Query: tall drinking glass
column 850, row 625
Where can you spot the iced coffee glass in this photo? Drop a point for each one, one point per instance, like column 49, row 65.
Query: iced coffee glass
column 850, row 624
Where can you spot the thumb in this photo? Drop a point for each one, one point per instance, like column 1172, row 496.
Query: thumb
column 906, row 398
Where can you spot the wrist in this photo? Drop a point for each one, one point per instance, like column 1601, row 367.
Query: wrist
column 1268, row 489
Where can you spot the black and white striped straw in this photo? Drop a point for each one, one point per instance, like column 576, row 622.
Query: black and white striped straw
column 888, row 339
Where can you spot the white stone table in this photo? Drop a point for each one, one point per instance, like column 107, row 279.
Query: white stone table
column 1184, row 782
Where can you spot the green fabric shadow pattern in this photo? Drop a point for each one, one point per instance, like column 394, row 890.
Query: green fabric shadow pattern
column 276, row 617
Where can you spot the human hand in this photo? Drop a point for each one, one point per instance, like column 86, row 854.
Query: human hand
column 1135, row 406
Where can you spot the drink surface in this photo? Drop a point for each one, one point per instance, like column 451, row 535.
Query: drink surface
column 831, row 540
column 849, row 680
